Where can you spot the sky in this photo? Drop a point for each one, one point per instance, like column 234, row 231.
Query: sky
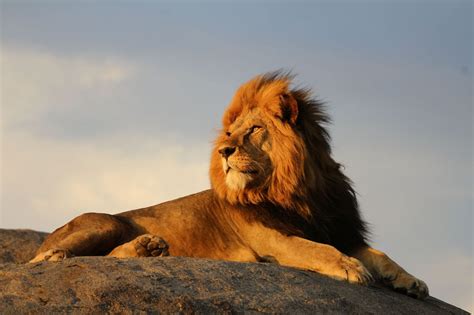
column 113, row 106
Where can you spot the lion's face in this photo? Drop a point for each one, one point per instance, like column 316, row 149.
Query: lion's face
column 260, row 156
column 245, row 150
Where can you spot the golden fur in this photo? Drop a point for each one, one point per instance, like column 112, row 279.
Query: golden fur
column 277, row 195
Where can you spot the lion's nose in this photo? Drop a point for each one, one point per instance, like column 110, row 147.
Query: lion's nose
column 227, row 151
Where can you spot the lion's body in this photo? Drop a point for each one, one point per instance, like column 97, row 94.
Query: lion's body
column 198, row 225
column 194, row 226
column 277, row 195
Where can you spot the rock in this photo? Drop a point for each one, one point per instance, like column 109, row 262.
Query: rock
column 19, row 246
column 186, row 285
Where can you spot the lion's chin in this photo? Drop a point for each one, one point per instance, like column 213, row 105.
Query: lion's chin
column 236, row 180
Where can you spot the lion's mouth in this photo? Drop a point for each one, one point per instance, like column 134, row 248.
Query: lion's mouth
column 237, row 179
column 228, row 168
column 240, row 171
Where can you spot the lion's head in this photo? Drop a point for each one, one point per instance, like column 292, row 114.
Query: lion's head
column 273, row 147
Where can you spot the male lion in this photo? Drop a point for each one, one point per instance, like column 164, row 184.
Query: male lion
column 277, row 195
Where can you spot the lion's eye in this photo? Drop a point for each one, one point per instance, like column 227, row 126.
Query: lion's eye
column 255, row 129
column 227, row 134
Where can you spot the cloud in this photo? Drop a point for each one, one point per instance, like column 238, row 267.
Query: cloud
column 35, row 82
column 52, row 180
column 47, row 179
column 73, row 96
column 47, row 183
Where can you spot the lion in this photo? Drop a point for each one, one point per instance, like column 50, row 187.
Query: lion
column 276, row 195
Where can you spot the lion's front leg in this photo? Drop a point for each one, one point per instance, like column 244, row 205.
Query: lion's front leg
column 146, row 245
column 301, row 253
column 324, row 259
column 391, row 273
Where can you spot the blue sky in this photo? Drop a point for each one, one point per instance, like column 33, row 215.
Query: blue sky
column 108, row 107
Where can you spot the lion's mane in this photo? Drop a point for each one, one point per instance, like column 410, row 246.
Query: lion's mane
column 307, row 187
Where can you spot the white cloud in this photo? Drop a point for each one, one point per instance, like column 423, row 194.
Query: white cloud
column 48, row 180
column 33, row 82
column 52, row 181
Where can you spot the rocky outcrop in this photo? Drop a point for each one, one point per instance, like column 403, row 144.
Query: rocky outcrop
column 19, row 246
column 96, row 285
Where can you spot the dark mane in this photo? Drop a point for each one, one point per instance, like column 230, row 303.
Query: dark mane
column 334, row 206
column 335, row 217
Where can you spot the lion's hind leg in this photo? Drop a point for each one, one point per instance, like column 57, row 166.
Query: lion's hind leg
column 89, row 234
column 146, row 245
column 391, row 274
column 56, row 254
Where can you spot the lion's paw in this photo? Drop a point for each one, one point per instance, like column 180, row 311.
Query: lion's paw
column 352, row 270
column 409, row 285
column 147, row 245
column 55, row 254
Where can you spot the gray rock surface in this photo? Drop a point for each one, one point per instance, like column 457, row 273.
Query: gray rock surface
column 97, row 285
column 19, row 246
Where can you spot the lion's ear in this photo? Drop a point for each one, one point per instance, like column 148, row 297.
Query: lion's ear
column 288, row 108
